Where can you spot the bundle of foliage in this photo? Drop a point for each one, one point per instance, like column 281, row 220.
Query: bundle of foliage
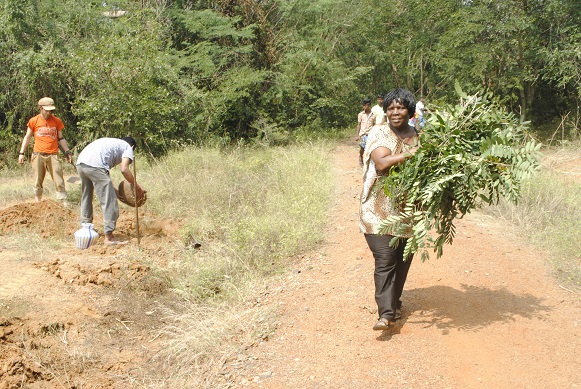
column 471, row 154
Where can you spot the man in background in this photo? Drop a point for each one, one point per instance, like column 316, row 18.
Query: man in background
column 420, row 110
column 364, row 124
column 377, row 110
column 47, row 131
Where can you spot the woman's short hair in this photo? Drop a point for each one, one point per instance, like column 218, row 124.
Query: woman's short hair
column 403, row 96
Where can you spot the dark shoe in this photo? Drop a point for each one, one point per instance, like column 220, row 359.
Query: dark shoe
column 397, row 314
column 382, row 324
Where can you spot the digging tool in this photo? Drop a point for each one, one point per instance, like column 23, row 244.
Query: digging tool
column 71, row 179
column 135, row 196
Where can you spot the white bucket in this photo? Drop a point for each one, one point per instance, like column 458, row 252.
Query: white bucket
column 86, row 236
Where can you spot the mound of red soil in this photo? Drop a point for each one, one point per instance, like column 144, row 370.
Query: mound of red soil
column 46, row 218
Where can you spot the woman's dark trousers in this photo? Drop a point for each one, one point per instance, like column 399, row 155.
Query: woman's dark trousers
column 390, row 273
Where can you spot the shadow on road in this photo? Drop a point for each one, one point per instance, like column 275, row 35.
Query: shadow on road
column 471, row 308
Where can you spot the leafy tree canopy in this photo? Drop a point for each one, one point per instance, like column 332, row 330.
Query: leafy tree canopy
column 198, row 71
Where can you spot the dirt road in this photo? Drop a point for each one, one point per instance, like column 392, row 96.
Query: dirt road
column 486, row 315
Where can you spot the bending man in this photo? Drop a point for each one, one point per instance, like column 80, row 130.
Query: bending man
column 93, row 165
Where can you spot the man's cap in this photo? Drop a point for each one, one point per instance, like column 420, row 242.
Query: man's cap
column 47, row 103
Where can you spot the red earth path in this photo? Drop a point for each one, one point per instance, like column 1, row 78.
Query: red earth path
column 488, row 314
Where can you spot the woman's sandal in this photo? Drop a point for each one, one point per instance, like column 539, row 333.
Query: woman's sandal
column 382, row 324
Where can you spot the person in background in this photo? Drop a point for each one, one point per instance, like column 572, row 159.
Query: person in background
column 412, row 121
column 388, row 145
column 420, row 121
column 364, row 124
column 93, row 166
column 377, row 110
column 47, row 131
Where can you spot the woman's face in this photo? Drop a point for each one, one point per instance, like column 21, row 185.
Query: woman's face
column 397, row 114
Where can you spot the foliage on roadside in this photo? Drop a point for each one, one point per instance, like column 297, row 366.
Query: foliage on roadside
column 549, row 211
column 229, row 70
column 471, row 154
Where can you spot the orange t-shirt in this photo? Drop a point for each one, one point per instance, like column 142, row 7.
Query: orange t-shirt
column 45, row 133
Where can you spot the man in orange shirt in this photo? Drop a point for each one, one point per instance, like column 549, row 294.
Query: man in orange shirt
column 47, row 131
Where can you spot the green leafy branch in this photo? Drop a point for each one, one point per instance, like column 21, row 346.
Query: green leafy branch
column 471, row 154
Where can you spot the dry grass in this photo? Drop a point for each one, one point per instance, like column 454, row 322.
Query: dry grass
column 549, row 212
column 250, row 209
column 17, row 186
column 204, row 339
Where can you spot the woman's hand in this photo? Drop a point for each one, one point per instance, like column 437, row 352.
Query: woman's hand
column 411, row 141
column 413, row 150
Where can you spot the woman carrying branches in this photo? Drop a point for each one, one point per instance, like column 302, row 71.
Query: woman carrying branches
column 388, row 145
